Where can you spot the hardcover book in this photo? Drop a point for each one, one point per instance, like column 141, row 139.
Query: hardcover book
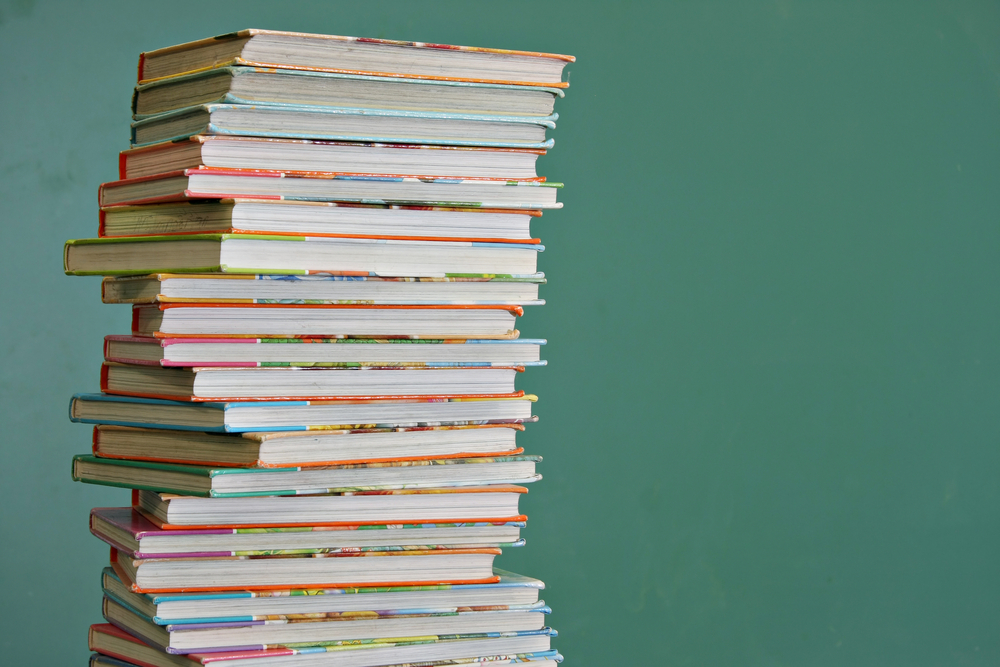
column 307, row 218
column 214, row 183
column 267, row 416
column 377, row 126
column 216, row 637
column 264, row 86
column 229, row 383
column 241, row 152
column 495, row 649
column 287, row 254
column 323, row 289
column 128, row 530
column 322, row 352
column 511, row 590
column 460, row 504
column 305, row 448
column 249, row 482
column 355, row 55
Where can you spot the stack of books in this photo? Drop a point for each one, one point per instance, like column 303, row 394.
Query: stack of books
column 325, row 243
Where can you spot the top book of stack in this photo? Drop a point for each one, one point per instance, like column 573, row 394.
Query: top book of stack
column 356, row 55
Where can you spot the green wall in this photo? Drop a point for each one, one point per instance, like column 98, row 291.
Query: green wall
column 770, row 419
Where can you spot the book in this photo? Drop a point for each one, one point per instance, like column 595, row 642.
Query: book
column 355, row 55
column 385, row 126
column 322, row 289
column 297, row 415
column 233, row 320
column 265, row 86
column 289, row 382
column 206, row 481
column 287, row 254
column 548, row 659
column 371, row 568
column 322, row 352
column 466, row 504
column 305, row 218
column 242, row 152
column 284, row 449
column 495, row 649
column 213, row 183
column 164, row 608
column 259, row 635
column 326, row 243
column 128, row 531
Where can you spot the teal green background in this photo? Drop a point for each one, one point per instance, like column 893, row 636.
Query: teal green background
column 770, row 420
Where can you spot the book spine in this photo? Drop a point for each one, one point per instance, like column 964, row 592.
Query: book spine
column 122, row 165
column 135, row 321
column 104, row 378
column 95, row 441
column 100, row 233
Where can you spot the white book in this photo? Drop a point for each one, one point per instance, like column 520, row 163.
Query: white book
column 274, row 48
column 321, row 352
column 324, row 90
column 211, row 183
column 339, row 124
column 297, row 416
column 285, row 321
column 259, row 254
column 231, row 152
column 291, row 448
column 512, row 589
column 457, row 504
column 311, row 383
column 308, row 570
column 316, row 219
column 322, row 289
column 532, row 647
column 193, row 638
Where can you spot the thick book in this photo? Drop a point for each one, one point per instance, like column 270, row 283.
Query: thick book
column 213, row 183
column 242, row 152
column 322, row 352
column 285, row 449
column 267, row 320
column 380, row 126
column 210, row 482
column 466, row 504
column 228, row 383
column 371, row 568
column 127, row 530
column 298, row 416
column 262, row 86
column 288, row 254
column 304, row 218
column 356, row 55
column 322, row 289
column 488, row 648
column 512, row 590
